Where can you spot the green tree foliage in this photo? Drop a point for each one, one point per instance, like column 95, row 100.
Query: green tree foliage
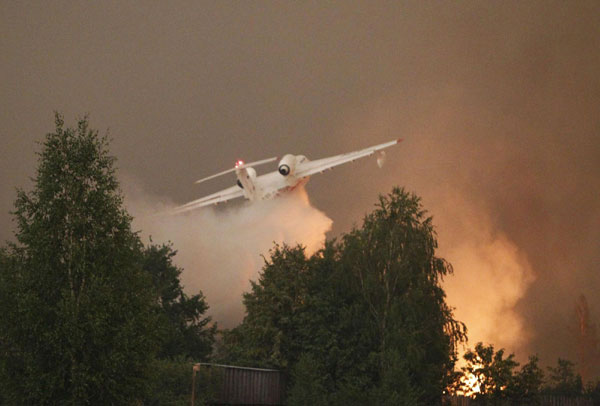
column 396, row 386
column 309, row 388
column 529, row 381
column 79, row 316
column 186, row 336
column 592, row 391
column 271, row 329
column 563, row 381
column 370, row 309
column 392, row 262
column 498, row 382
column 5, row 294
column 493, row 374
column 170, row 382
column 185, row 332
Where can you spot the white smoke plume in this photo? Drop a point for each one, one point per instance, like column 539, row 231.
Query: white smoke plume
column 220, row 251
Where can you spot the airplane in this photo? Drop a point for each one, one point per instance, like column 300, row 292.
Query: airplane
column 292, row 172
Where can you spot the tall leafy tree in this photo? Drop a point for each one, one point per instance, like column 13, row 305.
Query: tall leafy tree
column 79, row 321
column 529, row 381
column 391, row 260
column 270, row 333
column 369, row 309
column 185, row 330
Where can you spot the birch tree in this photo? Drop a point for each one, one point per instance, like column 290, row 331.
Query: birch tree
column 78, row 324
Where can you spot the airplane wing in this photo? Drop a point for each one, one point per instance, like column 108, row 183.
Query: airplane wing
column 222, row 196
column 311, row 167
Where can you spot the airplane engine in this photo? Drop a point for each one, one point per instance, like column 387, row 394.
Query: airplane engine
column 287, row 165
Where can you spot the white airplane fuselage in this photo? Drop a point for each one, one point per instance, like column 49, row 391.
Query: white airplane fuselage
column 266, row 186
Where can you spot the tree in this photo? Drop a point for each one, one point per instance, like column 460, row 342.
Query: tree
column 370, row 309
column 5, row 303
column 592, row 391
column 529, row 382
column 79, row 319
column 270, row 333
column 563, row 381
column 185, row 332
column 391, row 260
column 309, row 387
column 488, row 372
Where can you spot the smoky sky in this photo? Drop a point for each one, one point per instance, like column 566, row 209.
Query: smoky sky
column 498, row 104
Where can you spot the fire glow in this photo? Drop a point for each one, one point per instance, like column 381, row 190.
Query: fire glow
column 470, row 385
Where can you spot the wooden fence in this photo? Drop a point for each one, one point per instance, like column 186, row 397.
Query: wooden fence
column 544, row 401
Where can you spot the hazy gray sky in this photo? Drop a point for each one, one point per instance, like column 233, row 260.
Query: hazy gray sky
column 498, row 103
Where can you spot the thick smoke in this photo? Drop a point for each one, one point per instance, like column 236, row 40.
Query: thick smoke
column 220, row 251
column 491, row 273
column 498, row 103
